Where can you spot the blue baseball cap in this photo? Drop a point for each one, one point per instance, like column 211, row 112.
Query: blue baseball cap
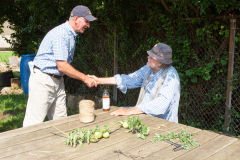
column 83, row 11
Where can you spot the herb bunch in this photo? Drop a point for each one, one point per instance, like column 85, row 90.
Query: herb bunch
column 135, row 125
column 82, row 135
column 184, row 137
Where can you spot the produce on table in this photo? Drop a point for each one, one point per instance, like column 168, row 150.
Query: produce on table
column 125, row 125
column 135, row 125
column 106, row 135
column 82, row 135
column 98, row 135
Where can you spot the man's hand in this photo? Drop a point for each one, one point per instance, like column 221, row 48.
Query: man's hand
column 94, row 77
column 104, row 81
column 90, row 82
column 126, row 112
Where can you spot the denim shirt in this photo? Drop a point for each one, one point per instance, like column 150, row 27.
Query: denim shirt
column 165, row 106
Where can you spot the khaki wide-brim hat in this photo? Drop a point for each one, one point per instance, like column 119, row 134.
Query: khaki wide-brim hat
column 162, row 53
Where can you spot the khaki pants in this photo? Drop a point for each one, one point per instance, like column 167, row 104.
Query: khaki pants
column 46, row 97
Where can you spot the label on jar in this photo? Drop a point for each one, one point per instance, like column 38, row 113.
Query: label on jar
column 106, row 103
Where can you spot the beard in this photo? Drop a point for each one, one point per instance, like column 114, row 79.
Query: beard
column 150, row 66
column 153, row 66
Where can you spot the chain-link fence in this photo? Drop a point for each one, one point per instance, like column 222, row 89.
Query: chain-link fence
column 234, row 122
column 203, row 101
column 204, row 105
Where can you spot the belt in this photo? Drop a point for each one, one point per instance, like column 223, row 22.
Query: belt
column 52, row 75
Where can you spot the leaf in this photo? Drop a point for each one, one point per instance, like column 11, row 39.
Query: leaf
column 189, row 72
column 194, row 79
column 224, row 62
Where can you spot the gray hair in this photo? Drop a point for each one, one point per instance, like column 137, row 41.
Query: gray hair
column 71, row 18
column 164, row 66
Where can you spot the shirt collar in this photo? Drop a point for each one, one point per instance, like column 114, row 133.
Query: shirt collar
column 157, row 75
column 70, row 29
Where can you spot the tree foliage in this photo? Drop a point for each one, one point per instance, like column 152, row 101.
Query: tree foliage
column 32, row 19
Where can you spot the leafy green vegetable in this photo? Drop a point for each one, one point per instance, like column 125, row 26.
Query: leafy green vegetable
column 135, row 125
column 82, row 135
column 184, row 137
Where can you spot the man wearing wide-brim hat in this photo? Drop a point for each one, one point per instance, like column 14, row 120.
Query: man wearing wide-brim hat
column 46, row 85
column 159, row 82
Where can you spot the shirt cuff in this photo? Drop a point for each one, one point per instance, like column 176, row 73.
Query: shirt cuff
column 120, row 84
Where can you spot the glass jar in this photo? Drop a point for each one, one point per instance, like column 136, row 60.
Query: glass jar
column 106, row 100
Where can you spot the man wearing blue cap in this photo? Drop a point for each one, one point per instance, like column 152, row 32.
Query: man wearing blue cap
column 46, row 85
column 160, row 86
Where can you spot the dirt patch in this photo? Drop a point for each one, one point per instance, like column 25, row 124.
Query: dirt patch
column 3, row 116
column 9, row 90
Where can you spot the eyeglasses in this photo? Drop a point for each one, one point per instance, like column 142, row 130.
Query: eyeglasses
column 86, row 21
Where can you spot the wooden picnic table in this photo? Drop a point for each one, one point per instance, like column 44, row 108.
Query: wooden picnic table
column 45, row 142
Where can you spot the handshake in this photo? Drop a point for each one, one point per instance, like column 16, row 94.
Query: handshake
column 92, row 80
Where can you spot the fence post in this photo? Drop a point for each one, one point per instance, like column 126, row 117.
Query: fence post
column 115, row 65
column 230, row 73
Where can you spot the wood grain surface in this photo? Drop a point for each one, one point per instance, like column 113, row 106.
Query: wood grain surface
column 45, row 142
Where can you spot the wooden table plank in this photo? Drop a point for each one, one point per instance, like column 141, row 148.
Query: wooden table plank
column 44, row 142
column 148, row 149
column 168, row 153
column 230, row 152
column 37, row 127
column 19, row 131
column 67, row 152
column 47, row 139
column 210, row 148
column 47, row 130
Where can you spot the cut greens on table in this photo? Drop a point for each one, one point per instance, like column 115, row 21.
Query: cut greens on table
column 83, row 135
column 184, row 137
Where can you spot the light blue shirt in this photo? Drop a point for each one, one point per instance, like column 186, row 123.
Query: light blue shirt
column 165, row 106
column 58, row 44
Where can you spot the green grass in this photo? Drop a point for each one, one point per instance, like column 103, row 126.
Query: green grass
column 5, row 55
column 12, row 111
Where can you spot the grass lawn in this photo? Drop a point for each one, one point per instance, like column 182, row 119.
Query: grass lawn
column 5, row 55
column 12, row 111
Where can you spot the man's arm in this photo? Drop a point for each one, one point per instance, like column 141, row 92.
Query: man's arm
column 66, row 68
column 104, row 81
column 126, row 112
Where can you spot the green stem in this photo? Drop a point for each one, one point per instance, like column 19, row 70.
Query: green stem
column 57, row 128
column 113, row 125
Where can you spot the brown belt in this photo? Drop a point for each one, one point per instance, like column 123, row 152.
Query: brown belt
column 52, row 75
